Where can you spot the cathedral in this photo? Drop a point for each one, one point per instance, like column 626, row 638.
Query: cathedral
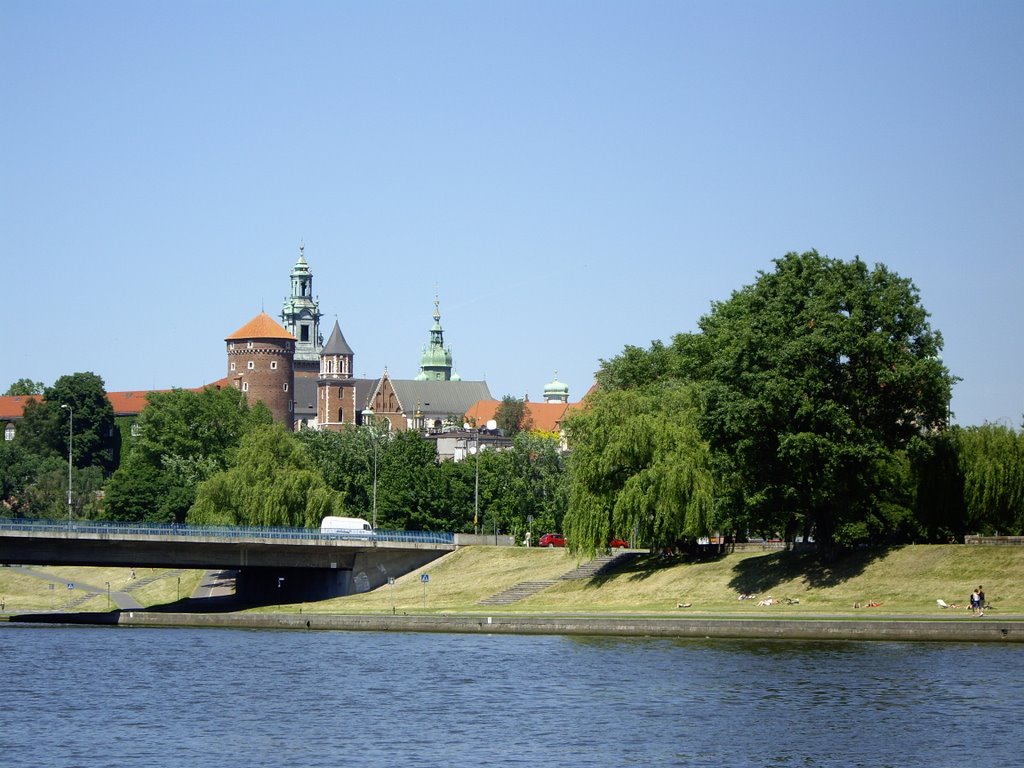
column 307, row 383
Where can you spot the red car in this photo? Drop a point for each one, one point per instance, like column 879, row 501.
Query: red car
column 618, row 544
column 551, row 540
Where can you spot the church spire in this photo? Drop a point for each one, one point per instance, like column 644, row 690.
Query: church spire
column 436, row 361
column 301, row 313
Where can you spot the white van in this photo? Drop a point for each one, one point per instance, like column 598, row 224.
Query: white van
column 346, row 528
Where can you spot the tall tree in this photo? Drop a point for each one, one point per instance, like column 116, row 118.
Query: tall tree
column 273, row 482
column 992, row 466
column 410, row 489
column 639, row 465
column 19, row 468
column 813, row 377
column 512, row 416
column 939, row 485
column 183, row 438
column 348, row 460
column 77, row 403
column 25, row 387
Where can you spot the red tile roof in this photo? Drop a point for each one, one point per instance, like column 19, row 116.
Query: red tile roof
column 547, row 417
column 12, row 407
column 263, row 326
column 128, row 403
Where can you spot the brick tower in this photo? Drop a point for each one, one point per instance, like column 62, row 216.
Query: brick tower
column 260, row 364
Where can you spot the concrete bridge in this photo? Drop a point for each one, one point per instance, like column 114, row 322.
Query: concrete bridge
column 273, row 564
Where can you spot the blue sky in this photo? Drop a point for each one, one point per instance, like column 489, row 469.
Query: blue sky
column 568, row 177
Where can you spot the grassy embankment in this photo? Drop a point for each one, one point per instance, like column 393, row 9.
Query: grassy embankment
column 23, row 592
column 905, row 580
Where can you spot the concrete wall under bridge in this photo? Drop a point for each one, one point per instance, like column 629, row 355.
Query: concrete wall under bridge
column 363, row 572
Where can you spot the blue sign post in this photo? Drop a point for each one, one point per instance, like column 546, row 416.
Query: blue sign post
column 424, row 579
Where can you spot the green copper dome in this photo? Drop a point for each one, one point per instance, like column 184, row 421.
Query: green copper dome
column 556, row 391
column 436, row 361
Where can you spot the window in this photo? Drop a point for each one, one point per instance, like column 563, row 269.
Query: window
column 249, row 345
column 285, row 386
column 9, row 431
column 245, row 386
column 304, row 333
column 273, row 365
column 251, row 365
column 232, row 366
column 231, row 345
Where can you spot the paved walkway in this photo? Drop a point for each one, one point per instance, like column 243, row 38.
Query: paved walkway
column 216, row 584
column 83, row 592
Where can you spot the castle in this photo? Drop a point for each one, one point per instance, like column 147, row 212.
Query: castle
column 306, row 383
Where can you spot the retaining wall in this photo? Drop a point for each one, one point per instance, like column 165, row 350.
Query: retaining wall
column 939, row 630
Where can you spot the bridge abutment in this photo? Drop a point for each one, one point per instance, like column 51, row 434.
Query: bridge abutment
column 365, row 572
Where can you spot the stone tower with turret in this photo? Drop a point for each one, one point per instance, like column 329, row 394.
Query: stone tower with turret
column 301, row 318
column 336, row 389
column 260, row 357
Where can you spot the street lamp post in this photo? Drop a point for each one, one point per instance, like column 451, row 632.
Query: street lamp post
column 476, row 486
column 368, row 417
column 71, row 425
column 476, row 489
column 374, row 516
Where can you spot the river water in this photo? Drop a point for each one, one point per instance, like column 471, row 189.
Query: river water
column 87, row 697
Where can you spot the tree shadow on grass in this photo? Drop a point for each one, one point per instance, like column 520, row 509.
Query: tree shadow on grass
column 752, row 575
column 217, row 604
column 756, row 575
column 638, row 566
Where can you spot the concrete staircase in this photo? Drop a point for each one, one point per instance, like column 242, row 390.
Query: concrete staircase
column 525, row 589
column 139, row 583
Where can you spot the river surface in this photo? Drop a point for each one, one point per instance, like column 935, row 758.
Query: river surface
column 83, row 697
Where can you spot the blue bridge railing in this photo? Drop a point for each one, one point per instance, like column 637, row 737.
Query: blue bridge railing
column 221, row 531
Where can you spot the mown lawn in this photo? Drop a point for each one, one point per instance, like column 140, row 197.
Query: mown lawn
column 34, row 592
column 903, row 580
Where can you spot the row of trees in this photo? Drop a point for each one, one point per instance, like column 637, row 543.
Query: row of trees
column 207, row 457
column 811, row 403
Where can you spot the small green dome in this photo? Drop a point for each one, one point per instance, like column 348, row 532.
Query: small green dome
column 556, row 391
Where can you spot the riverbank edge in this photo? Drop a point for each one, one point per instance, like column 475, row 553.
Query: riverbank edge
column 932, row 630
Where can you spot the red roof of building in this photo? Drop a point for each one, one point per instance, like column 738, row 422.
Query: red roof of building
column 546, row 417
column 263, row 326
column 127, row 403
column 12, row 407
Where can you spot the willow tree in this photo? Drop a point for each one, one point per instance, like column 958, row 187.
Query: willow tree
column 992, row 464
column 639, row 467
column 272, row 482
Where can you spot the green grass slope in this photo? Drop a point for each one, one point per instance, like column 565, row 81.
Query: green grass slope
column 903, row 580
column 44, row 588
